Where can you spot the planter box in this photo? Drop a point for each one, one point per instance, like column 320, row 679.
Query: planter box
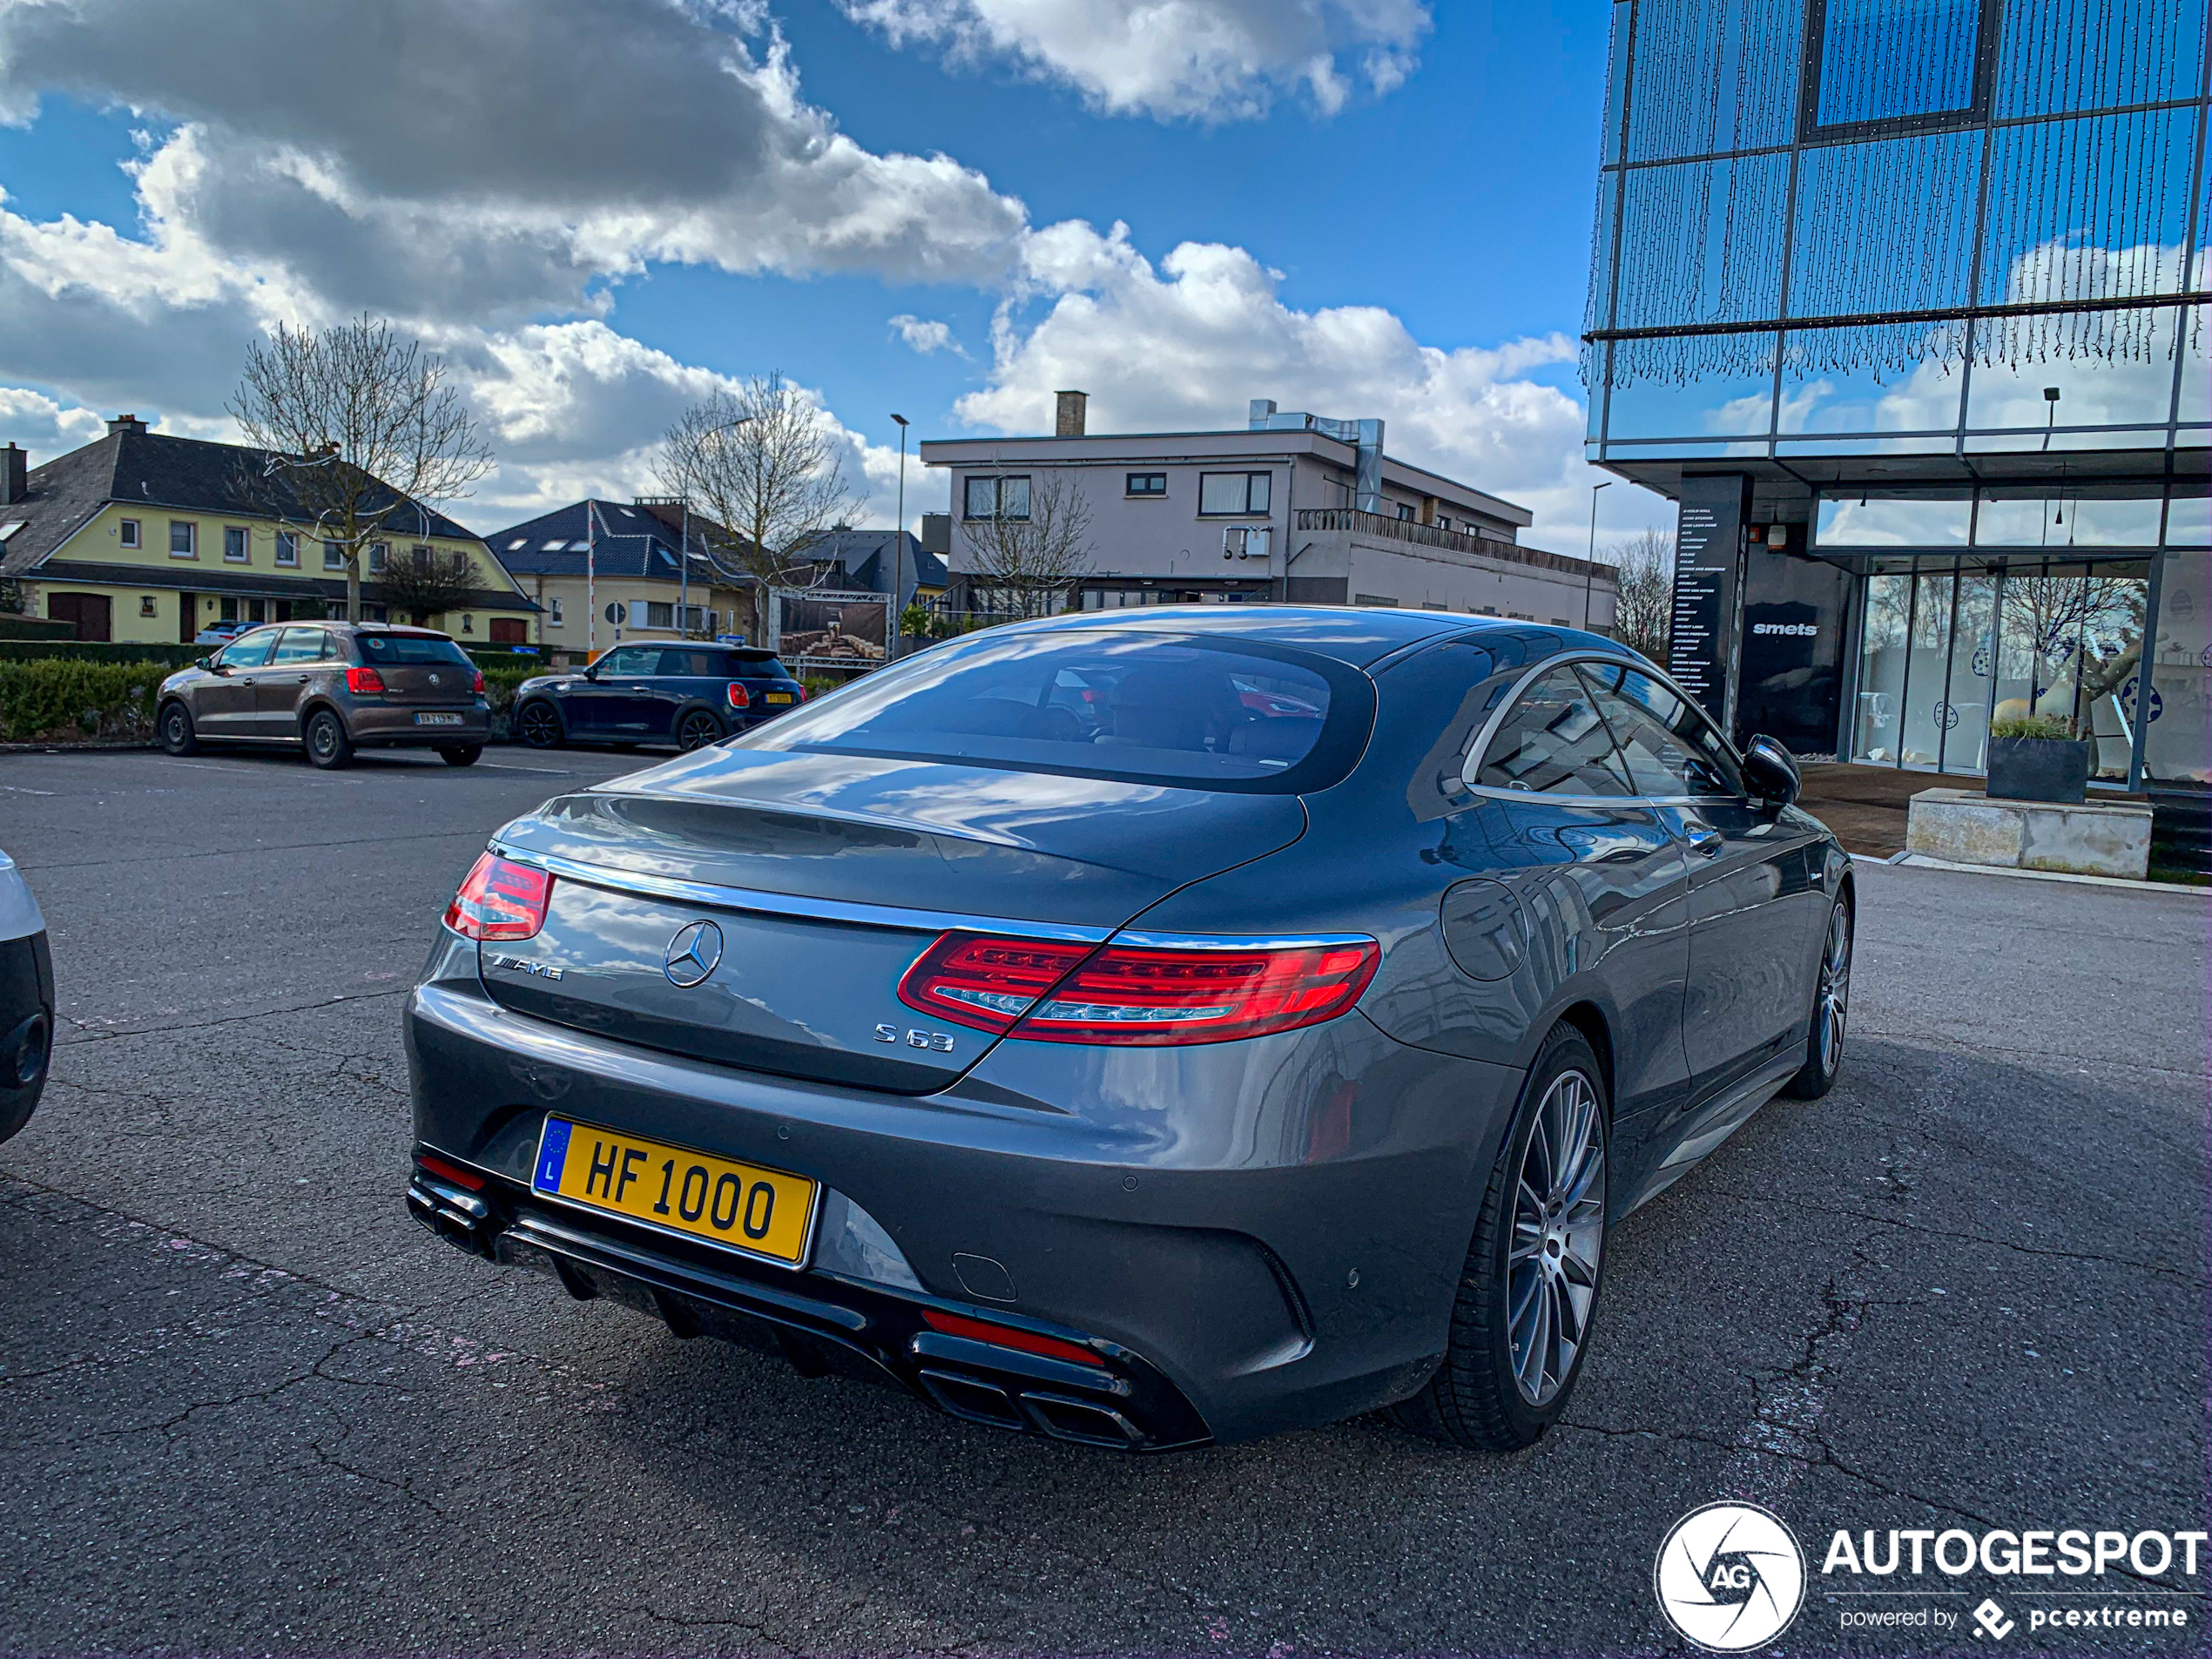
column 2047, row 769
column 2106, row 838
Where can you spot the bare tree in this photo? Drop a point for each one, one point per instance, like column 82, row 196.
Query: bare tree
column 423, row 581
column 1643, row 615
column 361, row 432
column 1028, row 553
column 760, row 465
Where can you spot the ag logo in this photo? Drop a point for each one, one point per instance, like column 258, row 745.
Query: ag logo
column 1730, row 1577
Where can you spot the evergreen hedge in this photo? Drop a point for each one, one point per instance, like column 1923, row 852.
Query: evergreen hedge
column 63, row 700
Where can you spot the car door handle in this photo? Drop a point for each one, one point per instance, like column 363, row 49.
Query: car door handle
column 304, row 678
column 1703, row 841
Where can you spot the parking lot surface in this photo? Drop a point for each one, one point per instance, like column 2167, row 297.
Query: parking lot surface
column 247, row 1405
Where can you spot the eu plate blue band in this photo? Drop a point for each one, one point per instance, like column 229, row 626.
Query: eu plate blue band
column 552, row 1155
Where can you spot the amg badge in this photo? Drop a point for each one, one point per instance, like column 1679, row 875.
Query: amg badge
column 541, row 969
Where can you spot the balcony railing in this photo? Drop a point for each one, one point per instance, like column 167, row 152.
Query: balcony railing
column 1350, row 522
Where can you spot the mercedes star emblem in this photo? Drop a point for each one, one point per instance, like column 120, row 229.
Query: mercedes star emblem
column 692, row 953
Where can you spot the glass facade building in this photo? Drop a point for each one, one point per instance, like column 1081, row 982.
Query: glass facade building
column 1906, row 303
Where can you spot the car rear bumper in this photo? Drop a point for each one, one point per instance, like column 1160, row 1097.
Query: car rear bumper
column 1291, row 1261
column 386, row 724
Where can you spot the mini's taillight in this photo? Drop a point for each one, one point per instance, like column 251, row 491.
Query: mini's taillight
column 801, row 690
column 362, row 681
column 478, row 688
column 1008, row 1336
column 500, row 899
column 740, row 697
column 1129, row 995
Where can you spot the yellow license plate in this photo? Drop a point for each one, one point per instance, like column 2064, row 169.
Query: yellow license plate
column 775, row 697
column 741, row 1206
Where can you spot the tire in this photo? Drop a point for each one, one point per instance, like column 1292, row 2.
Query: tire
column 697, row 730
column 539, row 725
column 1534, row 1270
column 327, row 744
column 1830, row 1006
column 463, row 755
column 175, row 729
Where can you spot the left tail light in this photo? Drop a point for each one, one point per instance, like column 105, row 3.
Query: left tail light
column 1137, row 995
column 478, row 688
column 364, row 681
column 500, row 899
column 740, row 697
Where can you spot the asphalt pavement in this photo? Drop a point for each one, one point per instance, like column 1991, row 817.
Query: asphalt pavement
column 246, row 1405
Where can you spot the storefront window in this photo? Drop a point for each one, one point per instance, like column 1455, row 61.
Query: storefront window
column 2178, row 748
column 1965, row 714
column 1927, row 710
column 1881, row 674
column 2069, row 641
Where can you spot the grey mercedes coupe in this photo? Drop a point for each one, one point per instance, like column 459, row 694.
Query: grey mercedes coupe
column 1142, row 1027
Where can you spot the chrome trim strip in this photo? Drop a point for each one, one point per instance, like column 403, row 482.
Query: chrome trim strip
column 789, row 904
column 1232, row 941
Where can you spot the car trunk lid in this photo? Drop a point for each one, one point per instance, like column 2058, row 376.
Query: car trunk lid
column 823, row 877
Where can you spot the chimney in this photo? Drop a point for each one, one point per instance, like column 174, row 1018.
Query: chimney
column 130, row 423
column 1068, row 414
column 15, row 474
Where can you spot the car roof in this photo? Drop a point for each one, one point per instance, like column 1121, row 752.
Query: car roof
column 1358, row 635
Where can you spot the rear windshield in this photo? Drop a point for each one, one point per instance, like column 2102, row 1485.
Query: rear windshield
column 402, row 650
column 1144, row 707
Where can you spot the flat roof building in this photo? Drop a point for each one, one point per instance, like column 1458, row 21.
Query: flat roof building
column 1905, row 303
column 1292, row 507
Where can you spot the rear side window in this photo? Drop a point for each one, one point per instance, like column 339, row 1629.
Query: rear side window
column 756, row 665
column 1669, row 746
column 1553, row 742
column 404, row 651
column 1137, row 707
column 690, row 664
column 303, row 645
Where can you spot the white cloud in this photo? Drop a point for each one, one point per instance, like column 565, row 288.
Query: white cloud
column 510, row 153
column 926, row 336
column 1213, row 60
column 43, row 426
column 1185, row 346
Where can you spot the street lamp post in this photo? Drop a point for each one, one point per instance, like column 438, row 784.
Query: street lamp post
column 1589, row 569
column 898, row 548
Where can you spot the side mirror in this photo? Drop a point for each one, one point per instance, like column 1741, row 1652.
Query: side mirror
column 204, row 664
column 1771, row 771
column 591, row 671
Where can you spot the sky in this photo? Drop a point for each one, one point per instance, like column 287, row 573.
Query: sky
column 597, row 212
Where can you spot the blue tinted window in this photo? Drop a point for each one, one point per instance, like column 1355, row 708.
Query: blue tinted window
column 1920, row 191
column 1702, row 242
column 1880, row 59
column 1713, row 75
column 2058, row 56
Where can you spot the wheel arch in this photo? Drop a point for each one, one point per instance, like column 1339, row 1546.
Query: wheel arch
column 315, row 705
column 1587, row 1018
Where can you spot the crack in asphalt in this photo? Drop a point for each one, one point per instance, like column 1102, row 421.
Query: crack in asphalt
column 92, row 1034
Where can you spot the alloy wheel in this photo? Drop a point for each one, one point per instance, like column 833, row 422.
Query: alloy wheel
column 1558, row 1237
column 541, row 726
column 698, row 730
column 1835, row 988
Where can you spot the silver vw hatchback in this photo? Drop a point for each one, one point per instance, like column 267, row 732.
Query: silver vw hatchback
column 1142, row 1030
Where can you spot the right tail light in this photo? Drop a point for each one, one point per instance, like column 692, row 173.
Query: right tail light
column 1137, row 995
column 740, row 697
column 364, row 682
